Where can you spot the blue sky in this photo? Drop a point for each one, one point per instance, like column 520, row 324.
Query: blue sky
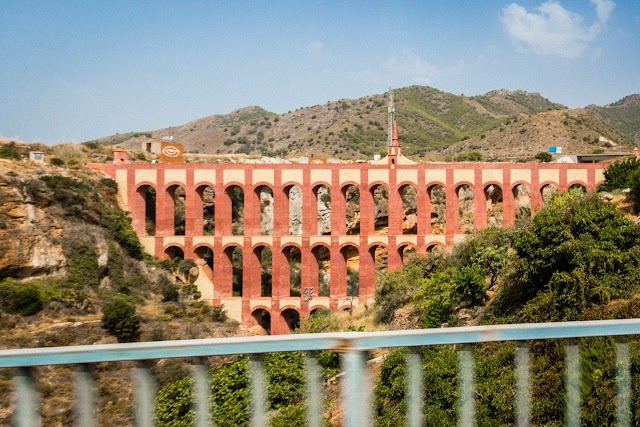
column 77, row 70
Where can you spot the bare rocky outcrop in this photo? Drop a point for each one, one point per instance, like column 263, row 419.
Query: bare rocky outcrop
column 465, row 205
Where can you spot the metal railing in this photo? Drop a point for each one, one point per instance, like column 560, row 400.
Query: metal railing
column 356, row 404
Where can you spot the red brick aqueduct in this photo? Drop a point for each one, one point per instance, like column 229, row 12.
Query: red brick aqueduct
column 277, row 310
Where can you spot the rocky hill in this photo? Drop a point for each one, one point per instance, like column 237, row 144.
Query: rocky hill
column 432, row 124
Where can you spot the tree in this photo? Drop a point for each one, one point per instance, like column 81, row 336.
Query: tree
column 119, row 318
column 544, row 157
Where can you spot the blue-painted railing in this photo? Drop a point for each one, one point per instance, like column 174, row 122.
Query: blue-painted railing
column 354, row 345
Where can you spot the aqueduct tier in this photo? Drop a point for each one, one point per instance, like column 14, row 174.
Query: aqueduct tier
column 262, row 233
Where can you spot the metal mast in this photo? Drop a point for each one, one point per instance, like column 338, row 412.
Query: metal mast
column 392, row 116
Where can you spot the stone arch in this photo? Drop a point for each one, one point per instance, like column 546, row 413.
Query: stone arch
column 235, row 258
column 173, row 252
column 322, row 255
column 264, row 194
column 323, row 203
column 406, row 252
column 291, row 318
column 265, row 259
column 293, row 195
column 380, row 256
column 435, row 248
column 146, row 195
column 493, row 196
column 380, row 195
column 208, row 205
column 437, row 200
column 409, row 197
column 547, row 191
column 235, row 193
column 351, row 256
column 262, row 317
column 578, row 186
column 351, row 195
column 205, row 253
column 522, row 201
column 294, row 258
column 178, row 196
column 466, row 212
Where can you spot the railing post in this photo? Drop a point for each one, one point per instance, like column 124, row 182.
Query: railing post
column 144, row 395
column 572, row 384
column 258, row 392
column 466, row 387
column 523, row 381
column 314, row 396
column 202, row 391
column 26, row 413
column 85, row 396
column 355, row 389
column 414, row 380
column 623, row 383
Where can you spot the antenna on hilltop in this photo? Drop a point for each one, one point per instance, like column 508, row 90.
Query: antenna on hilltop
column 392, row 116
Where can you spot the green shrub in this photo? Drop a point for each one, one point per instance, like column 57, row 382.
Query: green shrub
column 9, row 152
column 83, row 269
column 168, row 289
column 119, row 318
column 20, row 298
column 618, row 174
column 218, row 313
column 544, row 157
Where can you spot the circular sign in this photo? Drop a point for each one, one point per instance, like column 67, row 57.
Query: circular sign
column 170, row 151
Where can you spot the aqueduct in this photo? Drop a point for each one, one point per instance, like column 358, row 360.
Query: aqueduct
column 226, row 207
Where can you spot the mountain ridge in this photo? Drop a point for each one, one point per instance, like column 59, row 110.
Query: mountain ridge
column 432, row 124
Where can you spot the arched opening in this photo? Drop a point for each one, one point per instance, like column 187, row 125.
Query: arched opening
column 291, row 318
column 578, row 187
column 294, row 196
column 547, row 192
column 406, row 252
column 465, row 209
column 263, row 253
column 322, row 256
column 263, row 319
column 205, row 255
column 236, row 198
column 380, row 257
column 522, row 200
column 265, row 195
column 435, row 249
column 380, row 208
column 148, row 194
column 234, row 254
column 351, row 195
column 409, row 197
column 295, row 266
column 323, row 197
column 178, row 195
column 352, row 261
column 493, row 196
column 174, row 252
column 207, row 196
column 438, row 202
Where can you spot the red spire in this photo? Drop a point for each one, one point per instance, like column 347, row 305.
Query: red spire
column 395, row 133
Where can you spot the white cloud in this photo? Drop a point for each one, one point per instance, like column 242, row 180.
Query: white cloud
column 552, row 29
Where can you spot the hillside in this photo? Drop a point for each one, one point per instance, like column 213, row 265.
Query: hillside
column 624, row 115
column 429, row 120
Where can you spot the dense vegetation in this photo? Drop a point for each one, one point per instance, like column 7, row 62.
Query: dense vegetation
column 578, row 260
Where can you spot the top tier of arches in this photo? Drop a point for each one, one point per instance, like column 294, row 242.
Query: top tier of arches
column 317, row 200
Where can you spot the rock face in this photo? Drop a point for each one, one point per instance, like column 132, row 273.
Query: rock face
column 30, row 240
column 266, row 212
column 324, row 210
column 523, row 205
column 438, row 205
column 493, row 194
column 465, row 200
column 295, row 211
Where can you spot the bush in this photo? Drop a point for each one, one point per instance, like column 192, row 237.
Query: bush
column 218, row 313
column 9, row 152
column 169, row 290
column 83, row 267
column 544, row 157
column 55, row 161
column 119, row 318
column 20, row 298
column 618, row 174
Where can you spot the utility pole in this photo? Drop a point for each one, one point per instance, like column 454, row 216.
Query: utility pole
column 391, row 118
column 307, row 296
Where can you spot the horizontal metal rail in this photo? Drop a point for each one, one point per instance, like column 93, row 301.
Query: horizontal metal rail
column 312, row 342
column 356, row 390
